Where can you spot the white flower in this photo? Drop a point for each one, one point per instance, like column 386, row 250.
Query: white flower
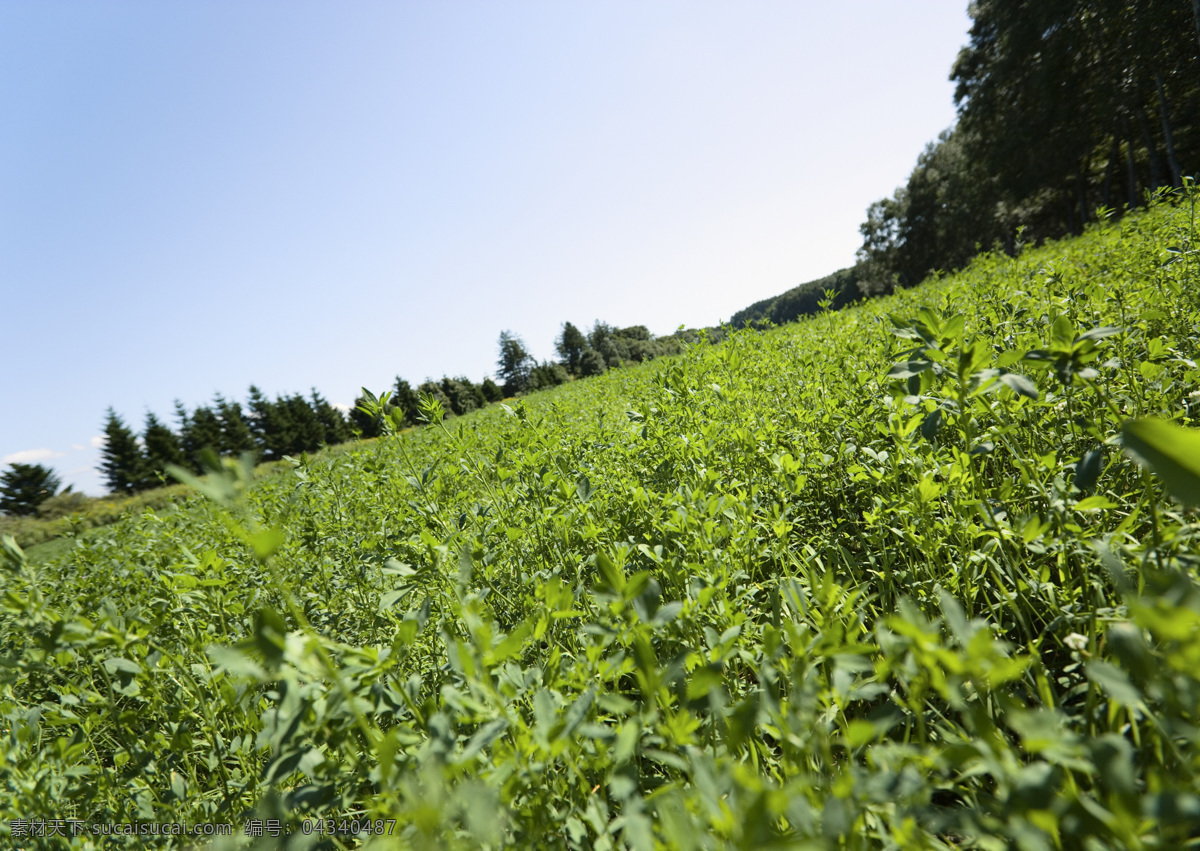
column 1076, row 642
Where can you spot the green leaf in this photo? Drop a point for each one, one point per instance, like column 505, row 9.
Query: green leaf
column 265, row 542
column 235, row 662
column 1087, row 471
column 1114, row 681
column 1099, row 333
column 909, row 368
column 1063, row 332
column 1019, row 384
column 1172, row 452
column 609, row 572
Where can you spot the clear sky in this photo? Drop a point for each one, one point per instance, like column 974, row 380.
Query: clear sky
column 198, row 196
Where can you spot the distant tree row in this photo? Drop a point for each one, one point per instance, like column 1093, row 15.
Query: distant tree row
column 289, row 425
column 517, row 372
column 272, row 429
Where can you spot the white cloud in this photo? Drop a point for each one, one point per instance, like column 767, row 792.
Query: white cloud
column 77, row 446
column 345, row 409
column 31, row 456
column 97, row 442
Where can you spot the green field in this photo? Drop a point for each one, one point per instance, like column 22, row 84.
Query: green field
column 884, row 578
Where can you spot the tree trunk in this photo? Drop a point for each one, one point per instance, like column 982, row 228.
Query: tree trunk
column 1173, row 163
column 1113, row 156
column 1081, row 193
column 1156, row 177
column 1130, row 172
column 1196, row 16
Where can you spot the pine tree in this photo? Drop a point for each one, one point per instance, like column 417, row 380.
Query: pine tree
column 161, row 447
column 122, row 463
column 514, row 364
column 337, row 430
column 203, row 431
column 23, row 487
column 407, row 400
column 236, row 436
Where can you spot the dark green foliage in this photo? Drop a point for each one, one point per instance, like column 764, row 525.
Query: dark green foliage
column 514, row 364
column 24, row 487
column 571, row 346
column 803, row 300
column 162, row 448
column 431, row 389
column 463, row 395
column 407, row 400
column 122, row 463
column 491, row 391
column 365, row 424
column 548, row 374
column 304, row 431
column 592, row 363
column 1064, row 107
column 333, row 422
column 199, row 431
column 236, row 436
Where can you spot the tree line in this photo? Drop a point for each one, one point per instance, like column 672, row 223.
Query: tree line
column 581, row 355
column 1068, row 111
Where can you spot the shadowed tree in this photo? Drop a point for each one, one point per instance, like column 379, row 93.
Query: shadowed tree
column 23, row 487
column 571, row 346
column 514, row 364
column 121, row 460
column 161, row 447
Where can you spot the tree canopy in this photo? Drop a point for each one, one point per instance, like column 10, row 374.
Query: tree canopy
column 24, row 487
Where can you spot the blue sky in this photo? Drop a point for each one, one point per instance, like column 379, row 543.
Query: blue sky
column 198, row 196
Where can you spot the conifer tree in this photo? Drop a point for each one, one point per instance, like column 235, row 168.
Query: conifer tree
column 236, row 436
column 23, row 487
column 161, row 447
column 333, row 422
column 122, row 463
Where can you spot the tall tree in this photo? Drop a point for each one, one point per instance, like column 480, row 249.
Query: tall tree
column 236, row 436
column 121, row 460
column 514, row 364
column 333, row 423
column 407, row 400
column 202, row 431
column 571, row 346
column 23, row 487
column 161, row 447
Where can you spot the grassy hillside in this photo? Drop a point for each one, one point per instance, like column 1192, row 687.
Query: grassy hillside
column 883, row 578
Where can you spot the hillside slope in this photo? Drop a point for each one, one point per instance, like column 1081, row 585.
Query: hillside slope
column 883, row 577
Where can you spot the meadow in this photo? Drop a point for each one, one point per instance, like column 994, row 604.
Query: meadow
column 919, row 573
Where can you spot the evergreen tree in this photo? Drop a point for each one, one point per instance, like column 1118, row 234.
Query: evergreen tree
column 307, row 434
column 258, row 406
column 203, row 431
column 514, row 364
column 236, row 436
column 407, row 400
column 122, row 463
column 333, row 422
column 161, row 447
column 23, row 487
column 366, row 426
